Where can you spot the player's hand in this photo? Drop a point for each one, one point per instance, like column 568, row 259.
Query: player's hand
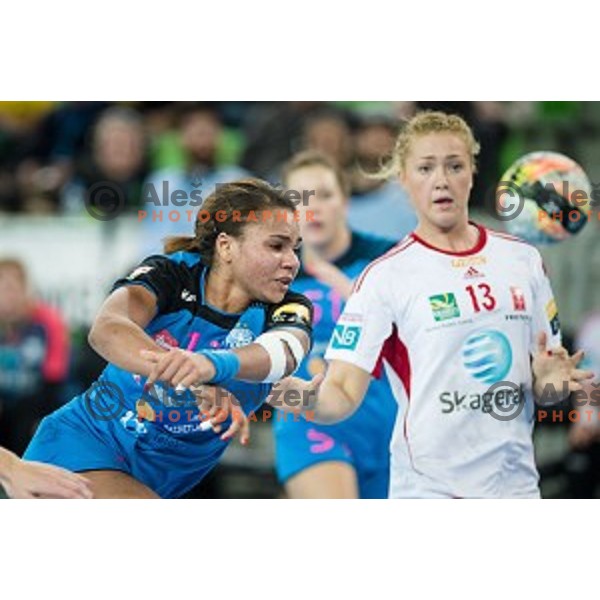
column 26, row 480
column 295, row 395
column 216, row 405
column 178, row 368
column 555, row 371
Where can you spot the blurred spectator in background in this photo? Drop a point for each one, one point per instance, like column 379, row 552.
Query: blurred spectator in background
column 46, row 158
column 117, row 156
column 34, row 350
column 19, row 122
column 273, row 133
column 172, row 196
column 329, row 133
column 377, row 206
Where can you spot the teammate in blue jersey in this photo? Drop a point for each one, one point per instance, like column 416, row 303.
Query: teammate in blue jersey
column 350, row 459
column 214, row 309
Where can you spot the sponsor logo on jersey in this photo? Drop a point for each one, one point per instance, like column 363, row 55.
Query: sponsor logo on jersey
column 132, row 424
column 518, row 298
column 139, row 272
column 165, row 340
column 469, row 261
column 444, row 307
column 293, row 313
column 473, row 273
column 145, row 411
column 188, row 296
column 502, row 400
column 345, row 337
column 240, row 335
column 552, row 314
column 351, row 318
column 487, row 356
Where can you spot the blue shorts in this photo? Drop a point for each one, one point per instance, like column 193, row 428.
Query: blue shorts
column 300, row 444
column 168, row 464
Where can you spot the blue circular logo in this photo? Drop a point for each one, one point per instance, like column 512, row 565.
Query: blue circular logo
column 487, row 356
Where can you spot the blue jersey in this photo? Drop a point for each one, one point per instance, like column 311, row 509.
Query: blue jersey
column 363, row 439
column 131, row 420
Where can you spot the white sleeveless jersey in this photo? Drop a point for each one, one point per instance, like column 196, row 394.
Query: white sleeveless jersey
column 454, row 332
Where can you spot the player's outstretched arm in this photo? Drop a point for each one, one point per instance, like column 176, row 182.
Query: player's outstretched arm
column 274, row 355
column 555, row 372
column 24, row 479
column 330, row 398
column 118, row 331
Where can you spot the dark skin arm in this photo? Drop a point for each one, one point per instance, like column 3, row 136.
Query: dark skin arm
column 118, row 331
column 118, row 336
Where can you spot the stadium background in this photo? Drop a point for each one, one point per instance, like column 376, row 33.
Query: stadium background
column 51, row 153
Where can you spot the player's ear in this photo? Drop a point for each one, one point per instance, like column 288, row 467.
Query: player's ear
column 224, row 248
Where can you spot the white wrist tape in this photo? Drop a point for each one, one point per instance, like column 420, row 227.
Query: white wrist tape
column 294, row 345
column 275, row 343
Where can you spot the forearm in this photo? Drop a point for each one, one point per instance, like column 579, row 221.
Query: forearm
column 333, row 400
column 7, row 462
column 119, row 341
column 332, row 404
column 255, row 363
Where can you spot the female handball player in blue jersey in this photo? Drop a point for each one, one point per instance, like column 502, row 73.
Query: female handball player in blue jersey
column 350, row 459
column 214, row 309
column 465, row 321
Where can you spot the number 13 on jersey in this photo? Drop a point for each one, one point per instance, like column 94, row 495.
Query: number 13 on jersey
column 481, row 297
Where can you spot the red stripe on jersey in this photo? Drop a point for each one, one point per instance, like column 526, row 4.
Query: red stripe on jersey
column 507, row 236
column 395, row 353
column 403, row 245
column 56, row 362
column 481, row 240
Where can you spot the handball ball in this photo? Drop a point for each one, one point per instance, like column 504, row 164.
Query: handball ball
column 544, row 198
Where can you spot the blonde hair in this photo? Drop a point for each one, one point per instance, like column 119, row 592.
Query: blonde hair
column 424, row 123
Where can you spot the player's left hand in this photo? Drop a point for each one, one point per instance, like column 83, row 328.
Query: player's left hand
column 555, row 371
column 178, row 368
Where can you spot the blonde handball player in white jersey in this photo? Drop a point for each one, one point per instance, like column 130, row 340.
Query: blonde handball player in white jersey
column 464, row 322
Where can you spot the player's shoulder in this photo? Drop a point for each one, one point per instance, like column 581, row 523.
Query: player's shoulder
column 166, row 272
column 513, row 244
column 392, row 263
column 178, row 263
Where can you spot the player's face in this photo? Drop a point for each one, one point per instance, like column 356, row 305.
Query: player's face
column 323, row 217
column 13, row 294
column 438, row 176
column 265, row 258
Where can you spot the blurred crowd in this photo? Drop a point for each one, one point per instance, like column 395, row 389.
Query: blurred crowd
column 52, row 153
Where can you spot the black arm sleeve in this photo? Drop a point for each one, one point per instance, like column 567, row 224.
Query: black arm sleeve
column 295, row 310
column 159, row 275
